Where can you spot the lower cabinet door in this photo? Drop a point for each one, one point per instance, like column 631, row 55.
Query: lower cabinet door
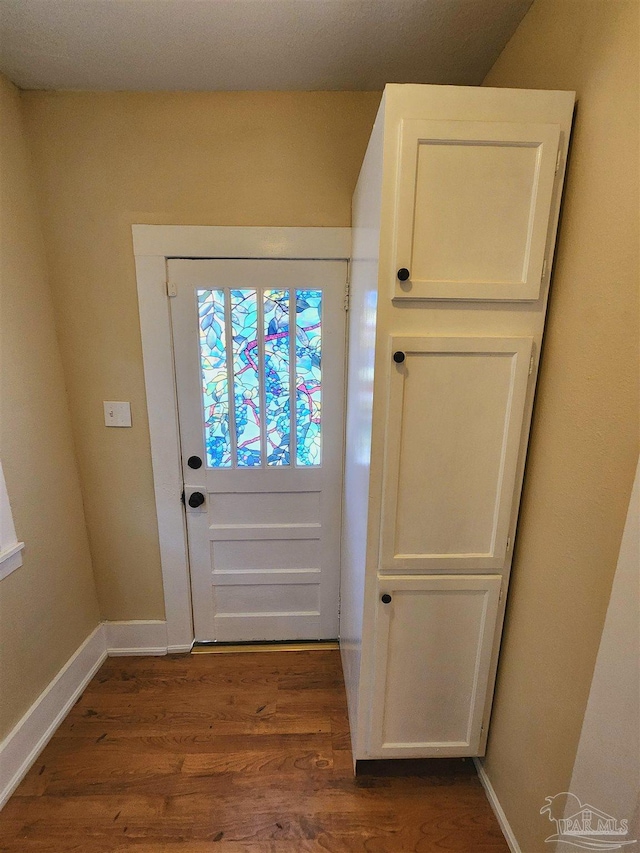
column 434, row 637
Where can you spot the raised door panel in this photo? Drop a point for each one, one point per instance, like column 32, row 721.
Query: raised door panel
column 433, row 651
column 455, row 419
column 473, row 207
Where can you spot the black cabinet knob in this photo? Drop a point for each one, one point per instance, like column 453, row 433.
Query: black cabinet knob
column 196, row 499
column 403, row 274
column 386, row 598
column 399, row 357
column 194, row 462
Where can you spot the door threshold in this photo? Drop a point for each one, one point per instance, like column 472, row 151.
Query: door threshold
column 214, row 648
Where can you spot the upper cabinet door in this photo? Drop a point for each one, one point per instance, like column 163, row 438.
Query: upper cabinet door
column 456, row 408
column 473, row 207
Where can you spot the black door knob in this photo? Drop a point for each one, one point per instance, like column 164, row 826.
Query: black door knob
column 399, row 357
column 196, row 499
column 194, row 462
column 386, row 598
column 403, row 274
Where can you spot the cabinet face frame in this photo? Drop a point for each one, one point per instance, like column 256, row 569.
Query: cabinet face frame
column 414, row 133
column 495, row 559
column 488, row 586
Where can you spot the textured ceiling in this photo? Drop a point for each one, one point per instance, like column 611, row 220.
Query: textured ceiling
column 251, row 44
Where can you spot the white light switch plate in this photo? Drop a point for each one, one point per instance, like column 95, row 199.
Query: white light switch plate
column 117, row 414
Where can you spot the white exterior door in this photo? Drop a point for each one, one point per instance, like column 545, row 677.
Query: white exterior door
column 259, row 356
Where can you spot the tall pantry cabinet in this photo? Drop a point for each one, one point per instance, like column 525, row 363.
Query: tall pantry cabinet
column 454, row 223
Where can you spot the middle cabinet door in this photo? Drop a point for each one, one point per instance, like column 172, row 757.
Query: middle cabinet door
column 454, row 427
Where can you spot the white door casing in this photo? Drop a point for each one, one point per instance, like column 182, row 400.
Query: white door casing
column 265, row 545
column 153, row 245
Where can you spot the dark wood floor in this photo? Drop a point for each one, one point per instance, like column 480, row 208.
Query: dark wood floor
column 242, row 753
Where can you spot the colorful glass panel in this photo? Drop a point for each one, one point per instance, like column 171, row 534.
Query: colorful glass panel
column 246, row 377
column 215, row 386
column 276, row 376
column 308, row 376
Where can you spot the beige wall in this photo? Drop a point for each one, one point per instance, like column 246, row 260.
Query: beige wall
column 584, row 442
column 107, row 160
column 48, row 606
column 607, row 766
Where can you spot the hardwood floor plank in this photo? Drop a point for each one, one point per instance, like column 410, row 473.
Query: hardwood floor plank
column 238, row 753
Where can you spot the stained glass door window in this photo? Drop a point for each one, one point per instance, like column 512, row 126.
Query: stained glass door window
column 277, row 376
column 261, row 364
column 215, row 383
column 308, row 376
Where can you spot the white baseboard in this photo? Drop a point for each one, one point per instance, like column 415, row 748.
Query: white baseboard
column 138, row 637
column 31, row 734
column 510, row 838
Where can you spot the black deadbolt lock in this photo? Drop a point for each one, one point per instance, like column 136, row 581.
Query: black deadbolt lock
column 386, row 598
column 196, row 499
column 194, row 462
column 399, row 357
column 403, row 274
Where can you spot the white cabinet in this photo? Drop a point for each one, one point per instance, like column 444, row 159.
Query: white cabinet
column 473, row 206
column 433, row 649
column 454, row 223
column 456, row 407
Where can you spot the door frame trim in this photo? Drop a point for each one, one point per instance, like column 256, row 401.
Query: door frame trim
column 153, row 245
